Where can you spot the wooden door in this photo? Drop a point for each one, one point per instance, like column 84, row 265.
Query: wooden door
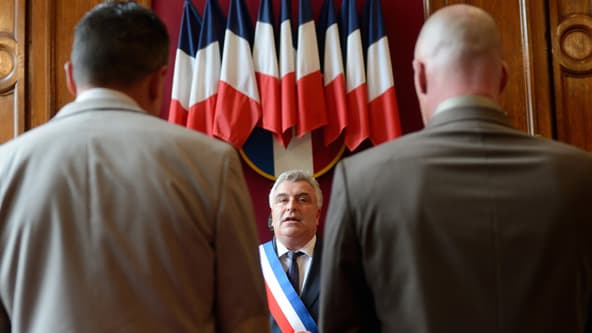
column 35, row 42
column 12, row 70
column 571, row 37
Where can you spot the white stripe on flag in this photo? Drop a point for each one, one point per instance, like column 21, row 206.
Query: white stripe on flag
column 355, row 74
column 206, row 73
column 298, row 155
column 307, row 51
column 333, row 60
column 264, row 53
column 182, row 78
column 287, row 51
column 239, row 74
column 379, row 61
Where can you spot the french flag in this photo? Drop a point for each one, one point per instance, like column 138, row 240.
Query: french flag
column 270, row 157
column 333, row 75
column 289, row 105
column 383, row 114
column 309, row 80
column 237, row 106
column 355, row 78
column 265, row 62
column 206, row 70
column 184, row 59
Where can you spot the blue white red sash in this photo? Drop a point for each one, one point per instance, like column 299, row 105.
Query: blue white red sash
column 285, row 305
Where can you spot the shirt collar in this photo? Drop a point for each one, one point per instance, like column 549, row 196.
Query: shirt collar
column 467, row 101
column 308, row 249
column 105, row 93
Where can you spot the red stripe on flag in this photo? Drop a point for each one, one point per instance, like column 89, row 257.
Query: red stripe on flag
column 277, row 313
column 236, row 115
column 269, row 91
column 177, row 114
column 201, row 115
column 357, row 107
column 336, row 109
column 384, row 117
column 312, row 113
column 289, row 106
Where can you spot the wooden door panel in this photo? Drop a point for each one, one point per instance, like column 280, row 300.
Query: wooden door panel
column 526, row 98
column 571, row 36
column 12, row 82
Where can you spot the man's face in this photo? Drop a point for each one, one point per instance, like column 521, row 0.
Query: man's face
column 295, row 214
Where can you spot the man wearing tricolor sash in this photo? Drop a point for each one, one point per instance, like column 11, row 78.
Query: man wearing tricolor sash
column 291, row 262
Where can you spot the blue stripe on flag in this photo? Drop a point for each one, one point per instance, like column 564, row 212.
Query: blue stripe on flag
column 239, row 21
column 348, row 21
column 327, row 19
column 190, row 28
column 286, row 14
column 265, row 12
column 372, row 23
column 304, row 12
column 214, row 25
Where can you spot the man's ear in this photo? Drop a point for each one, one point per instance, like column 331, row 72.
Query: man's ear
column 504, row 77
column 70, row 83
column 419, row 77
column 156, row 83
column 270, row 222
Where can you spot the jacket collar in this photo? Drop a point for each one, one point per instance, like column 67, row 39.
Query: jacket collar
column 99, row 99
column 467, row 113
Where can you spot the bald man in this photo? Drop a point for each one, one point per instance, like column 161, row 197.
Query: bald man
column 467, row 225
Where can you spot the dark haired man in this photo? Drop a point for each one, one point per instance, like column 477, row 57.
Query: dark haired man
column 113, row 220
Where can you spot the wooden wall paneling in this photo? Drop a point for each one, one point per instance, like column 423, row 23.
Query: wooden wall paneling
column 41, row 69
column 12, row 73
column 571, row 37
column 522, row 22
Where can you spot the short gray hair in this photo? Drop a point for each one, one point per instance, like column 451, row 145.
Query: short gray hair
column 296, row 176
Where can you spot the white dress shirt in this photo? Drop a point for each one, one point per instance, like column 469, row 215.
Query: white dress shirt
column 304, row 261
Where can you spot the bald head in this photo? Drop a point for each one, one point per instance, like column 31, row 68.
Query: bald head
column 458, row 32
column 458, row 52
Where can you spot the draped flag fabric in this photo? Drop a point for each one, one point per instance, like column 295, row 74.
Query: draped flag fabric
column 184, row 61
column 309, row 81
column 383, row 113
column 206, row 70
column 289, row 106
column 333, row 75
column 237, row 106
column 357, row 96
column 269, row 157
column 265, row 62
column 301, row 93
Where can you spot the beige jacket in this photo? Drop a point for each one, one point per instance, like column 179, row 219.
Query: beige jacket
column 112, row 220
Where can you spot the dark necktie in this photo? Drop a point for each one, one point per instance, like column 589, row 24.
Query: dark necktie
column 293, row 272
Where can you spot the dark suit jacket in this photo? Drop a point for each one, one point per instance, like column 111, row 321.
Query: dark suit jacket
column 310, row 291
column 465, row 226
